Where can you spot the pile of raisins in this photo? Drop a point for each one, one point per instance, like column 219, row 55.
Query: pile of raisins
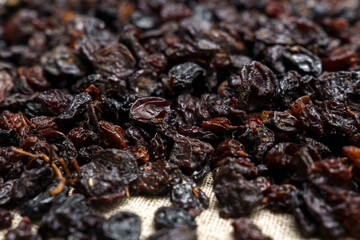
column 105, row 100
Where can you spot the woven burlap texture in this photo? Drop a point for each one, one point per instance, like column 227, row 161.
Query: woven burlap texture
column 210, row 225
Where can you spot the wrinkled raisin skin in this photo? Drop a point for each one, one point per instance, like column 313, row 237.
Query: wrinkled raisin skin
column 169, row 217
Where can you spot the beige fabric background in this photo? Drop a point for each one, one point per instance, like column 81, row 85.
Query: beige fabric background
column 210, row 225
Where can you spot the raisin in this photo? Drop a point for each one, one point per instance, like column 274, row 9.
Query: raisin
column 303, row 60
column 82, row 137
column 74, row 109
column 336, row 85
column 228, row 148
column 181, row 232
column 115, row 59
column 345, row 204
column 146, row 110
column 308, row 114
column 262, row 182
column 101, row 182
column 8, row 137
column 143, row 21
column 353, row 153
column 35, row 208
column 185, row 194
column 330, row 172
column 139, row 153
column 7, row 191
column 122, row 160
column 6, row 219
column 34, row 77
column 254, row 86
column 32, row 182
column 154, row 178
column 244, row 229
column 284, row 122
column 190, row 154
column 340, row 59
column 10, row 120
column 115, row 99
column 258, row 138
column 54, row 102
column 20, row 25
column 123, row 225
column 185, row 77
column 169, row 217
column 157, row 148
column 304, row 219
column 239, row 197
column 174, row 11
column 281, row 155
column 144, row 83
column 6, row 85
column 62, row 61
column 66, row 217
column 85, row 154
column 279, row 198
column 323, row 213
column 112, row 135
column 197, row 132
column 218, row 125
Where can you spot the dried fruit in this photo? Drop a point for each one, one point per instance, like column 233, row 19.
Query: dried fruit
column 254, row 86
column 169, row 217
column 237, row 196
column 123, row 225
column 5, row 219
column 190, row 154
column 147, row 110
column 35, row 208
column 244, row 229
column 66, row 217
column 107, row 177
column 187, row 195
column 115, row 59
column 154, row 178
column 123, row 98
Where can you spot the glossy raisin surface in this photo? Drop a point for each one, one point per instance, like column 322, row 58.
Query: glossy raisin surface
column 169, row 217
column 101, row 101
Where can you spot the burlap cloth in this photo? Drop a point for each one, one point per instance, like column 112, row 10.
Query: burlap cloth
column 210, row 225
